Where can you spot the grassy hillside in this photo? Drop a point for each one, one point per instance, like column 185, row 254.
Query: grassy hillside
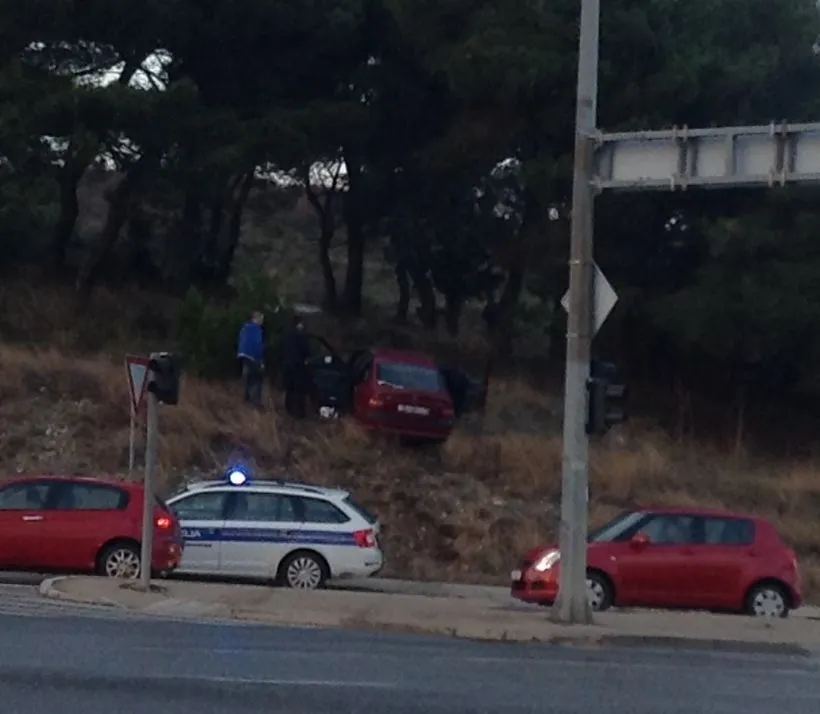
column 464, row 512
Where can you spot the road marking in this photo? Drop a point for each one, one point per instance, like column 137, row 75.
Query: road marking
column 334, row 683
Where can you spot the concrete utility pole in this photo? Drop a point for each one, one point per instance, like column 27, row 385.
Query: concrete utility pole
column 572, row 605
column 151, row 439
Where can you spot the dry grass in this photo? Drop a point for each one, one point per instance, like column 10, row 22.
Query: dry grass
column 465, row 512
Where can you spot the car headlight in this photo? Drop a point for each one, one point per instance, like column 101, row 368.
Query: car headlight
column 547, row 561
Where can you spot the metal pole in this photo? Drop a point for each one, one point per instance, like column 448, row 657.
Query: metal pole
column 132, row 441
column 151, row 438
column 572, row 605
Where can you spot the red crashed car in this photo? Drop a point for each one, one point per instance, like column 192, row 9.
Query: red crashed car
column 676, row 558
column 400, row 392
column 76, row 524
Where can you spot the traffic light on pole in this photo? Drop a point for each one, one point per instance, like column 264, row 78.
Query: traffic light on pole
column 166, row 370
column 606, row 398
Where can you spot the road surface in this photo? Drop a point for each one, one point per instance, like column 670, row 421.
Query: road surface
column 70, row 663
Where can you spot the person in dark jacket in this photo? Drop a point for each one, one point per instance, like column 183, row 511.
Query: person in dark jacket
column 295, row 352
column 250, row 350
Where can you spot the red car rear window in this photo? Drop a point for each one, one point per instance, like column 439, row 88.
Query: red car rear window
column 409, row 376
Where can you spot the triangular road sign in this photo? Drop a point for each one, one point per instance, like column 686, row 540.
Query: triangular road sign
column 137, row 370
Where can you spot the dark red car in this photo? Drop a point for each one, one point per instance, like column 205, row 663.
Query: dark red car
column 399, row 392
column 77, row 524
column 676, row 558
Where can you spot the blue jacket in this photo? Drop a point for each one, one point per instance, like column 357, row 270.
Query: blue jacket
column 251, row 343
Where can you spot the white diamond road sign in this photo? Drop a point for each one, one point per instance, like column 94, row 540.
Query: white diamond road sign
column 605, row 299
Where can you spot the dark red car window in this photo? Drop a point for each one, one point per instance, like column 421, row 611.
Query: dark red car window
column 409, row 376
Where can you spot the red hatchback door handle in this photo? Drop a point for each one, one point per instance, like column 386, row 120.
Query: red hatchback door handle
column 32, row 518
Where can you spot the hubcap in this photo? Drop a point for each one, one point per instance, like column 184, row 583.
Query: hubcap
column 768, row 603
column 304, row 573
column 595, row 594
column 122, row 563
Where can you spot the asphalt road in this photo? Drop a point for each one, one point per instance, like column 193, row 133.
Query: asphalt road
column 74, row 664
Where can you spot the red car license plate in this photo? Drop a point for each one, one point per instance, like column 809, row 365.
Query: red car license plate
column 413, row 409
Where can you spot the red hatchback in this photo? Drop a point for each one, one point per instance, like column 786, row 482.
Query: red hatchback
column 403, row 393
column 76, row 524
column 676, row 558
column 399, row 392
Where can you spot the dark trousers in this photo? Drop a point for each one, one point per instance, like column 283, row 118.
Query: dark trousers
column 252, row 379
column 295, row 382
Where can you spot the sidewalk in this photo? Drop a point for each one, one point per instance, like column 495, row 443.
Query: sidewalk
column 470, row 617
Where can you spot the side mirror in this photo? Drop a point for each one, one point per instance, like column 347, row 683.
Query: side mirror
column 639, row 540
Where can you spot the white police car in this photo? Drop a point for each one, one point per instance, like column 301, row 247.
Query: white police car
column 294, row 533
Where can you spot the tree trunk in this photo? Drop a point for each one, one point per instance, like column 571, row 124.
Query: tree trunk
column 78, row 157
column 235, row 226
column 504, row 332
column 532, row 230
column 69, row 177
column 354, row 278
column 190, row 257
column 118, row 203
column 427, row 311
column 216, row 219
column 452, row 313
column 403, row 283
column 328, row 229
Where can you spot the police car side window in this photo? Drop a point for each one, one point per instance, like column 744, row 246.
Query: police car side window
column 267, row 507
column 200, row 507
column 315, row 510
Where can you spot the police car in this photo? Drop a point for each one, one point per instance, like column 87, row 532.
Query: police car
column 293, row 533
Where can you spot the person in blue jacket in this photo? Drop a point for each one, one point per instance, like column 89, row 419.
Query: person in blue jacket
column 250, row 350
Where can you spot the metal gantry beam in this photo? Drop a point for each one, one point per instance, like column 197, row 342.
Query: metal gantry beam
column 721, row 157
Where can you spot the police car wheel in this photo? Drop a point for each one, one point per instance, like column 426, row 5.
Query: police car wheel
column 304, row 571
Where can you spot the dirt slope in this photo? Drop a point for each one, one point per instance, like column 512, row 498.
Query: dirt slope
column 464, row 512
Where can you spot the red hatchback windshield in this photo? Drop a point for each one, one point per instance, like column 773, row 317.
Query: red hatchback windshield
column 409, row 376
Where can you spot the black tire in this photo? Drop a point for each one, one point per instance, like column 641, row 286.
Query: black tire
column 120, row 559
column 304, row 570
column 767, row 599
column 600, row 591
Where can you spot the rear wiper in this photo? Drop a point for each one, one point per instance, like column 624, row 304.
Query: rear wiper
column 382, row 383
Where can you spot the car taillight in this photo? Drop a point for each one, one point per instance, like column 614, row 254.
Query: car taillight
column 375, row 403
column 164, row 523
column 447, row 412
column 365, row 539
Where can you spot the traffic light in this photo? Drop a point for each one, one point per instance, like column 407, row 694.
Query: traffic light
column 606, row 398
column 166, row 369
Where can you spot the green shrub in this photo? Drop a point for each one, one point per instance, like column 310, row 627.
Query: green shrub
column 208, row 329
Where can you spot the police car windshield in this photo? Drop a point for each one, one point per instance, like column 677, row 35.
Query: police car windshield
column 409, row 376
column 361, row 510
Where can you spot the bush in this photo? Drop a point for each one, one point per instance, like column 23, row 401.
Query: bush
column 208, row 330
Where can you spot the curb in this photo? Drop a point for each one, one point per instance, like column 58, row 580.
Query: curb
column 48, row 589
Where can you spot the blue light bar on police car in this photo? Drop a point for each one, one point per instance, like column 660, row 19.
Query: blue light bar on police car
column 237, row 477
